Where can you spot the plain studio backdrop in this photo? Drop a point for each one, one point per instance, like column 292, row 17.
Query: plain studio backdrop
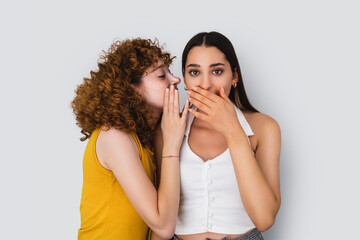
column 300, row 62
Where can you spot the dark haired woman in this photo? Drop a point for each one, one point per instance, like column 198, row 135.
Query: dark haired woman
column 229, row 160
column 118, row 109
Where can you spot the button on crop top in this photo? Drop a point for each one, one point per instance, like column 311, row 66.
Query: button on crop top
column 210, row 200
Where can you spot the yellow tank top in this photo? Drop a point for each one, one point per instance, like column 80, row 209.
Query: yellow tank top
column 106, row 213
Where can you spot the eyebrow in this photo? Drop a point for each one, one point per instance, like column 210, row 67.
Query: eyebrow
column 193, row 65
column 217, row 64
column 212, row 65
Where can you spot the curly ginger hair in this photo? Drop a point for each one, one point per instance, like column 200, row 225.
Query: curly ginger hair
column 109, row 98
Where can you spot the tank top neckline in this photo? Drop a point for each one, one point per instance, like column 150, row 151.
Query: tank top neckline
column 208, row 160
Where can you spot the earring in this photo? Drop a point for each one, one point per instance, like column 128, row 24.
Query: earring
column 235, row 85
column 185, row 87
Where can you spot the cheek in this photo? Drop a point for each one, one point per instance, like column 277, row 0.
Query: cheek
column 227, row 86
column 227, row 90
column 157, row 86
column 165, row 84
column 186, row 82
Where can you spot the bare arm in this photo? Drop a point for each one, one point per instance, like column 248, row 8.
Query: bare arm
column 158, row 157
column 118, row 152
column 257, row 178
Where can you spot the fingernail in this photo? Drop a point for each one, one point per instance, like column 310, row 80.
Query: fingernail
column 176, row 91
column 189, row 92
column 195, row 88
column 167, row 89
column 172, row 86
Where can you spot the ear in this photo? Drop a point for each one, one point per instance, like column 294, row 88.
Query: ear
column 235, row 78
column 137, row 88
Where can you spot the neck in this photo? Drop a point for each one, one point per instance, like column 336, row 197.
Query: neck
column 156, row 113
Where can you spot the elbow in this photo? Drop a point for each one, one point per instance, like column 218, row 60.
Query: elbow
column 165, row 232
column 164, row 227
column 265, row 223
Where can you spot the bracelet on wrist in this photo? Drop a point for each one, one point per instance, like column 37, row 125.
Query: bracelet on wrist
column 169, row 156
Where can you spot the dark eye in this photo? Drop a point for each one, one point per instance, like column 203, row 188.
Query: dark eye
column 162, row 76
column 194, row 72
column 218, row 71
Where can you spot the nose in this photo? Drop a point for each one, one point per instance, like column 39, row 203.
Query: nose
column 205, row 82
column 173, row 80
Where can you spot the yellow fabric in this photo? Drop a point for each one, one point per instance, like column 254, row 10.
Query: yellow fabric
column 106, row 212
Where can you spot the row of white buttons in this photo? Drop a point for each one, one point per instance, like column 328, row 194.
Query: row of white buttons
column 209, row 182
column 209, row 166
column 211, row 214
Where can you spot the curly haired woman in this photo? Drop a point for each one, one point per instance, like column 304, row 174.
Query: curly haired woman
column 119, row 110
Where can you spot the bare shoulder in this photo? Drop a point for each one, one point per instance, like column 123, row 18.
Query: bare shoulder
column 111, row 135
column 262, row 125
column 112, row 141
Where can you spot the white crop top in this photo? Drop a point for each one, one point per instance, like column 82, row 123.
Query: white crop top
column 209, row 197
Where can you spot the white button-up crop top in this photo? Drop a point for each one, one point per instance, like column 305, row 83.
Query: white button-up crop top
column 209, row 197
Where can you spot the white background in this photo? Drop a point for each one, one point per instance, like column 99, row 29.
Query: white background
column 300, row 62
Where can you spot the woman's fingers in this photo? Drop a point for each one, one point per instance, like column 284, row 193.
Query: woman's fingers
column 185, row 110
column 171, row 100
column 173, row 126
column 200, row 105
column 223, row 95
column 166, row 102
column 176, row 104
column 198, row 115
column 206, row 95
column 201, row 98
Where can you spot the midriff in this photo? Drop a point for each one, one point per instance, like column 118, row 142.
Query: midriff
column 211, row 235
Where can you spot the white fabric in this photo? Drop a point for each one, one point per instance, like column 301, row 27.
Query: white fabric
column 210, row 199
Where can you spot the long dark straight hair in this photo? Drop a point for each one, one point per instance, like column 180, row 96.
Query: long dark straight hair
column 214, row 39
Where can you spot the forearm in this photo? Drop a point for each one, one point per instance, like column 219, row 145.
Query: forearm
column 259, row 199
column 168, row 194
column 169, row 188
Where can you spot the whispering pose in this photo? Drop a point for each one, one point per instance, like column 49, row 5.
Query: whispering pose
column 229, row 159
column 119, row 109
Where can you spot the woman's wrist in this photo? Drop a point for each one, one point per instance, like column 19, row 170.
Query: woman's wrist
column 173, row 151
column 235, row 134
column 170, row 156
